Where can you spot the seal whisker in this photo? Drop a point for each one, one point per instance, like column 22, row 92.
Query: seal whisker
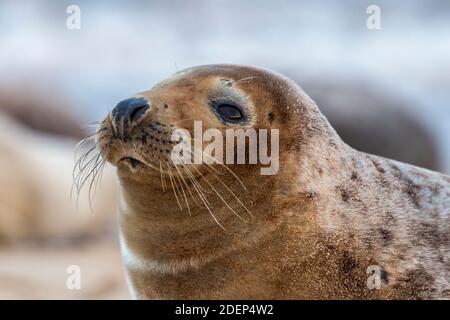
column 182, row 120
column 98, row 174
column 82, row 177
column 82, row 169
column 99, row 180
column 80, row 145
column 173, row 188
column 212, row 168
column 234, row 175
column 88, row 139
column 86, row 168
column 202, row 197
column 247, row 79
column 235, row 196
column 175, row 181
column 224, row 166
column 92, row 123
column 92, row 168
column 78, row 162
column 192, row 180
column 209, row 165
column 221, row 198
column 93, row 185
column 185, row 183
column 182, row 189
column 162, row 179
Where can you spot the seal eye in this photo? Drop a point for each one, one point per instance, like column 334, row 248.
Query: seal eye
column 229, row 112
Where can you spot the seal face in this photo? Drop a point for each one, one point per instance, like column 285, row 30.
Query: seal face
column 331, row 223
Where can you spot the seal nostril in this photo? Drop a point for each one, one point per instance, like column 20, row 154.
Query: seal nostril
column 137, row 113
column 129, row 111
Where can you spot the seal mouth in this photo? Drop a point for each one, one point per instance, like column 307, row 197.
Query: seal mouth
column 131, row 162
column 136, row 164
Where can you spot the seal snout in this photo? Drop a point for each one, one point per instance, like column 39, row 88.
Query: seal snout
column 129, row 112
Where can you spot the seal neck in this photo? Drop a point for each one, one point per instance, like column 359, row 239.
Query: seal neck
column 154, row 227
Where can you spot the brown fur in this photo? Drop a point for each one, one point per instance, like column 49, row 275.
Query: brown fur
column 316, row 225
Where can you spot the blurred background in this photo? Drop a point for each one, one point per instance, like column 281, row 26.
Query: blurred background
column 386, row 91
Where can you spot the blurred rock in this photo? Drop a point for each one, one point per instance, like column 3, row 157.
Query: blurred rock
column 372, row 121
column 46, row 113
